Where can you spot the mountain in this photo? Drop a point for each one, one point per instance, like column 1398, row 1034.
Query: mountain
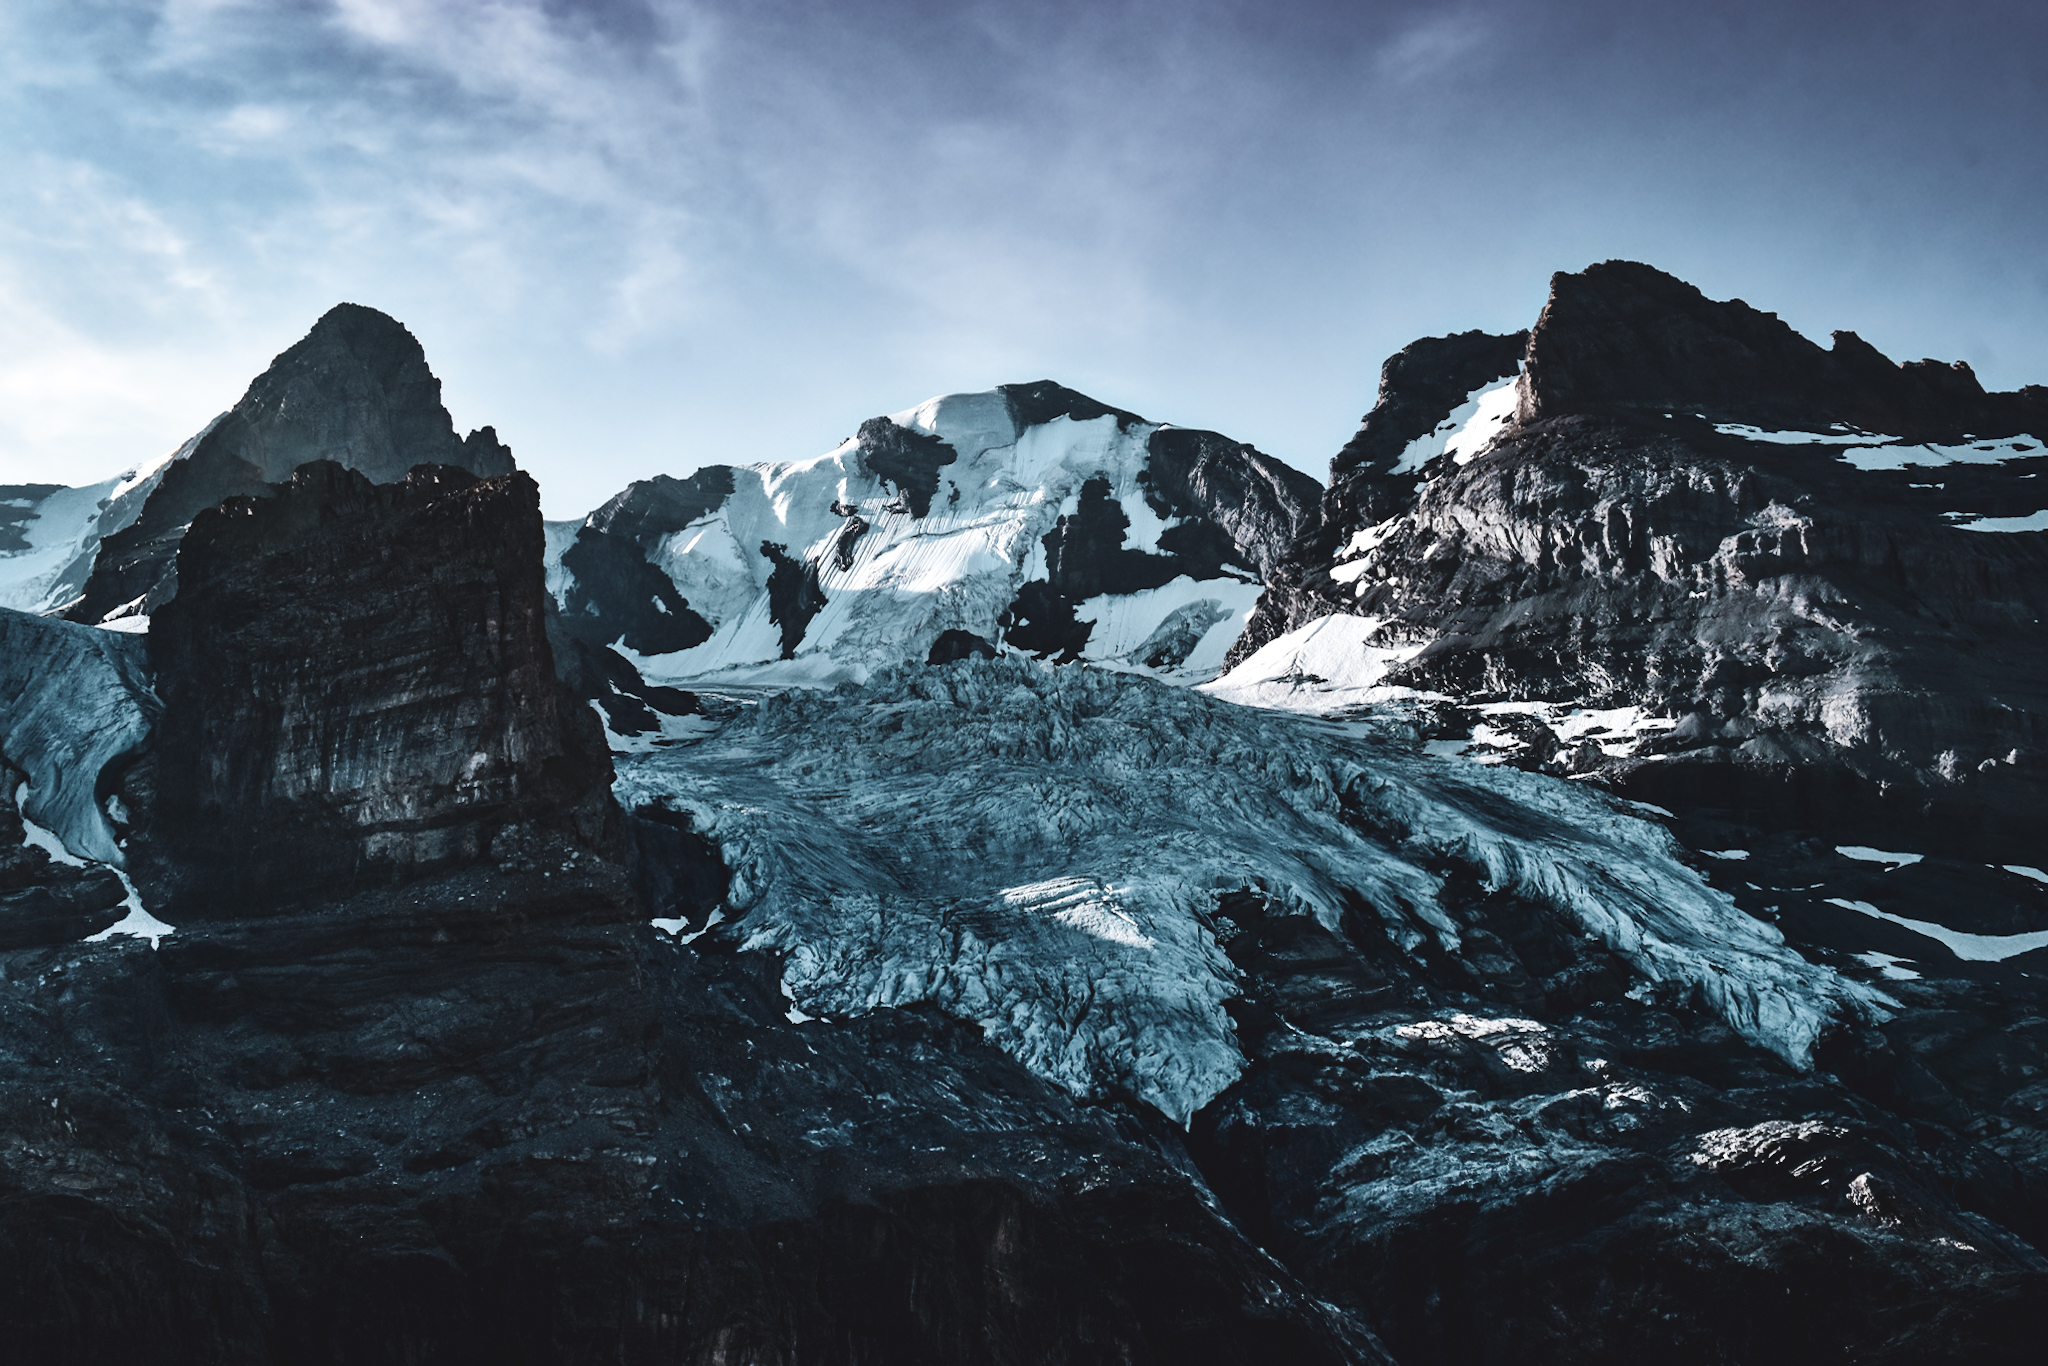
column 961, row 1004
column 1027, row 517
column 1812, row 577
column 355, row 390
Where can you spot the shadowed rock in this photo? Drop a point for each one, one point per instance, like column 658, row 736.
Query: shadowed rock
column 355, row 390
column 357, row 686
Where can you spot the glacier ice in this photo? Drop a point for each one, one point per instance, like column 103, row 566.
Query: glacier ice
column 73, row 699
column 1041, row 851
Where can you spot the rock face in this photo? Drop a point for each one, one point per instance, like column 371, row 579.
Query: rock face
column 356, row 390
column 1807, row 563
column 357, row 686
column 1621, row 337
column 997, row 1012
column 1028, row 516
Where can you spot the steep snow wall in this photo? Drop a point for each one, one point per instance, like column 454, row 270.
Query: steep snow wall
column 1042, row 850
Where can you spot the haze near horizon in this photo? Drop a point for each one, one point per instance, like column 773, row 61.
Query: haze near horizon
column 639, row 236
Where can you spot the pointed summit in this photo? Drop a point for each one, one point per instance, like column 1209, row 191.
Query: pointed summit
column 355, row 390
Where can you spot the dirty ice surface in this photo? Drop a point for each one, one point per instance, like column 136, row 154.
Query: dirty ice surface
column 1042, row 851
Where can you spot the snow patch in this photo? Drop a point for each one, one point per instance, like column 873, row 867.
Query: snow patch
column 138, row 922
column 1838, row 435
column 2024, row 871
column 1900, row 455
column 2033, row 521
column 1329, row 664
column 1865, row 854
column 1888, row 966
column 1467, row 430
column 1971, row 948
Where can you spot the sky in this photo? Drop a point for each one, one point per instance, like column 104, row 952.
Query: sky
column 640, row 236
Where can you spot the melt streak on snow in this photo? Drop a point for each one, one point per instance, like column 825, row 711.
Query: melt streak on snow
column 1041, row 851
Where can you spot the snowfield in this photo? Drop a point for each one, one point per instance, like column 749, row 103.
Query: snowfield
column 905, row 579
column 1042, row 851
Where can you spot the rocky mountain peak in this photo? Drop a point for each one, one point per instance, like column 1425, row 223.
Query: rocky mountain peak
column 1623, row 337
column 355, row 390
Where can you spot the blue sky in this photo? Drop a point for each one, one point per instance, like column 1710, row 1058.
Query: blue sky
column 644, row 235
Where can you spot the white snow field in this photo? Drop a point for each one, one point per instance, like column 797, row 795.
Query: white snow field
column 1042, row 851
column 911, row 578
column 63, row 533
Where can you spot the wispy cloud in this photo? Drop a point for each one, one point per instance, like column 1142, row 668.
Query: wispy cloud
column 638, row 234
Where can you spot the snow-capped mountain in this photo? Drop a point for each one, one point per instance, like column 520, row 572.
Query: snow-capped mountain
column 1672, row 542
column 355, row 390
column 367, row 994
column 1027, row 517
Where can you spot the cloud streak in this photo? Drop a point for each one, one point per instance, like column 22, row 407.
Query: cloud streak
column 643, row 234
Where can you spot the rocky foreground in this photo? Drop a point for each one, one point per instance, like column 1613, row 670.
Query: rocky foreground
column 988, row 1009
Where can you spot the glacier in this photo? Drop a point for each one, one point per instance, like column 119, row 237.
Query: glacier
column 1043, row 851
column 78, row 700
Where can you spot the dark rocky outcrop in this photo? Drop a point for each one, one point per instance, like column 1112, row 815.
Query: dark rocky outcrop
column 17, row 510
column 1827, row 639
column 357, row 686
column 907, row 459
column 1234, row 512
column 600, row 675
column 953, row 646
column 648, row 509
column 1568, row 1175
column 616, row 595
column 794, row 594
column 356, row 390
column 618, row 598
column 1622, row 337
column 1235, row 506
column 1043, row 401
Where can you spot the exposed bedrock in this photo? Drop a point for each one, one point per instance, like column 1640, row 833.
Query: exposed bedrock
column 1830, row 643
column 357, row 686
column 907, row 460
column 1622, row 336
column 355, row 390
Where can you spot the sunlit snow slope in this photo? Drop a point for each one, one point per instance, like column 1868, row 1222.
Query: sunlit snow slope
column 1025, row 518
